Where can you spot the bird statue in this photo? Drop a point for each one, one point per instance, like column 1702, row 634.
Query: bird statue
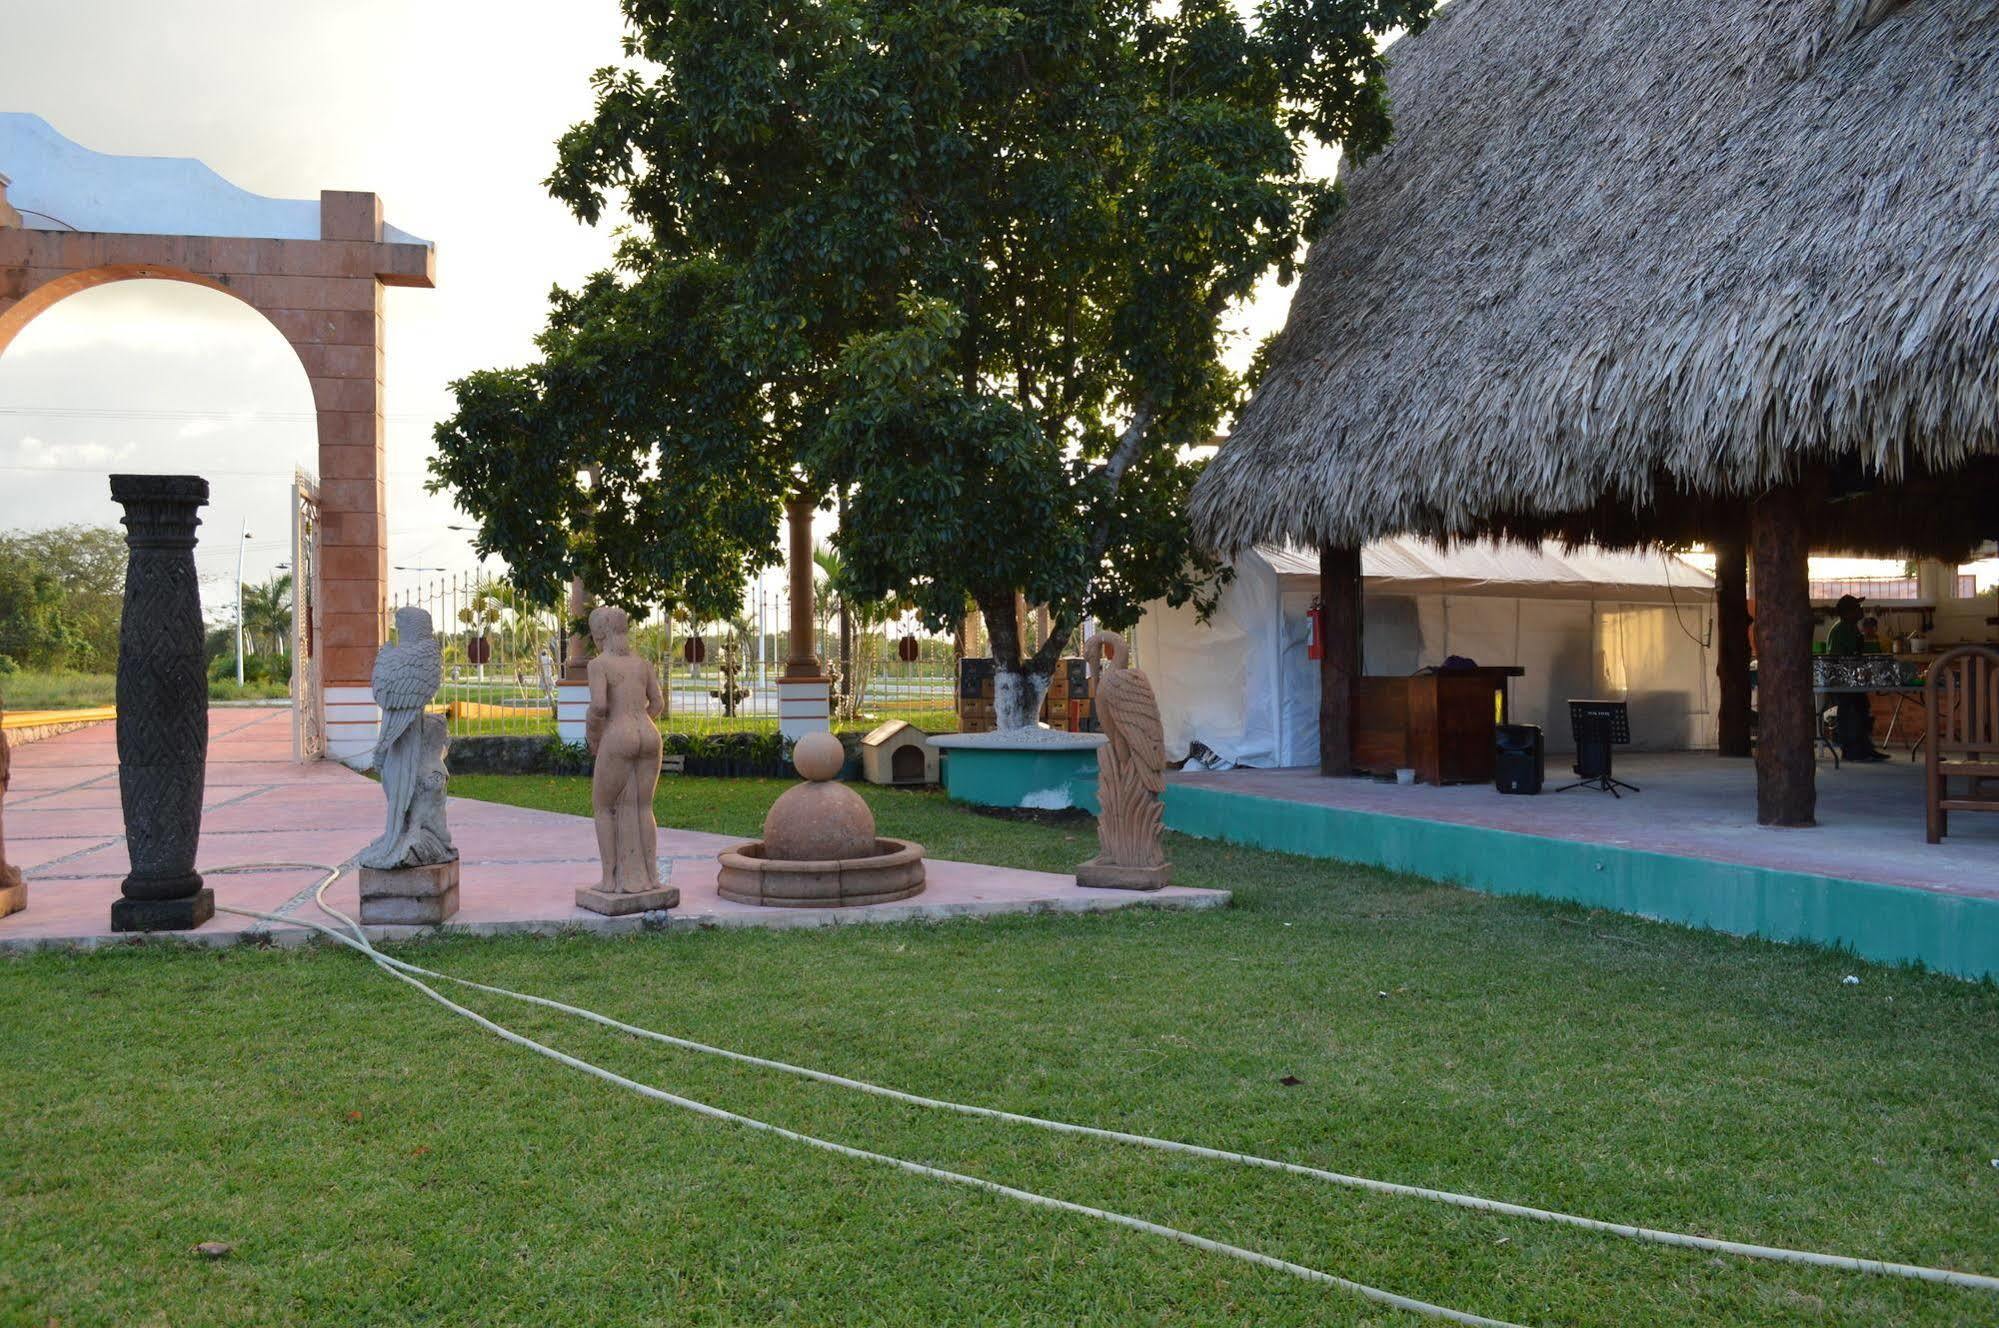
column 1131, row 772
column 407, row 675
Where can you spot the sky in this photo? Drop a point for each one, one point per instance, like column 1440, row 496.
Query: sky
column 448, row 109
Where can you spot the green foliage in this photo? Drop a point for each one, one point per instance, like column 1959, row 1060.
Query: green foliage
column 633, row 454
column 267, row 615
column 61, row 594
column 966, row 264
column 259, row 668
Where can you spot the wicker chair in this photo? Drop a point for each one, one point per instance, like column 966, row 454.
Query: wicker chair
column 1962, row 697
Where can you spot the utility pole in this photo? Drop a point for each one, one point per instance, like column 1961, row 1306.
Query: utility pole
column 239, row 600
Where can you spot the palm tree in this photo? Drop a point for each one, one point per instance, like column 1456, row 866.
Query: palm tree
column 267, row 613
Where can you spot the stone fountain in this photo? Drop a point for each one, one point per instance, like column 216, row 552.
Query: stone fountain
column 819, row 848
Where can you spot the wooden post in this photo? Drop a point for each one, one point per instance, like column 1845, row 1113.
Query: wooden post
column 1340, row 665
column 1786, row 794
column 1731, row 643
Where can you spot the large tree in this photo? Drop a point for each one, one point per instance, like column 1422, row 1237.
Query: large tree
column 975, row 261
column 633, row 454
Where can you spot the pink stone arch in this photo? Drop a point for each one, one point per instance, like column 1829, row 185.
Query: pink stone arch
column 324, row 296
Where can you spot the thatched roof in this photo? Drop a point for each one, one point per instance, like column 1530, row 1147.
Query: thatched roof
column 1628, row 264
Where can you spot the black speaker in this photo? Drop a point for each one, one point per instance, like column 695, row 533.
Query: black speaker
column 1519, row 760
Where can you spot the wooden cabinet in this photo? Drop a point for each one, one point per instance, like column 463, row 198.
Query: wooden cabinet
column 1438, row 724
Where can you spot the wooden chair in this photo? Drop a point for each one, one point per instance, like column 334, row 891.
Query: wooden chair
column 1962, row 696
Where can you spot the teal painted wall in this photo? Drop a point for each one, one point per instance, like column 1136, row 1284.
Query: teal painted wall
column 1893, row 924
column 993, row 777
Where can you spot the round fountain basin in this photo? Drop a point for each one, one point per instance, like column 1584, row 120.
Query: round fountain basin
column 894, row 871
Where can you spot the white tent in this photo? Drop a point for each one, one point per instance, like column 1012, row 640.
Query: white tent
column 1582, row 622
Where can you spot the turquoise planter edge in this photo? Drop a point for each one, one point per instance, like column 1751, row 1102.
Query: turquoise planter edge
column 1000, row 777
column 1953, row 934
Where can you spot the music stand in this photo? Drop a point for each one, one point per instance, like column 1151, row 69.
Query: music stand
column 1597, row 726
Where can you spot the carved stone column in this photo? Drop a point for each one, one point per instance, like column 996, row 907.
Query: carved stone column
column 804, row 660
column 162, row 705
column 804, row 692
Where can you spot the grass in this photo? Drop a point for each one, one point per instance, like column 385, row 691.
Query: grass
column 28, row 690
column 375, row 1160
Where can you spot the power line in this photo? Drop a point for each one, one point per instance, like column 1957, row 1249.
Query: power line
column 225, row 417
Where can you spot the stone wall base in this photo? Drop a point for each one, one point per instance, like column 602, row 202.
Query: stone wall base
column 1100, row 875
column 409, row 896
column 617, row 904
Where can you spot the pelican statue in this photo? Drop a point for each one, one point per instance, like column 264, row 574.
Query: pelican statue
column 1131, row 771
column 407, row 675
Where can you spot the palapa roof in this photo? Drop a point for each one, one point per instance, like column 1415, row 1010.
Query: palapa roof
column 1626, row 265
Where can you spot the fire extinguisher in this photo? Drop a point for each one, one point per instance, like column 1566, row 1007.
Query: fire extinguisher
column 1316, row 615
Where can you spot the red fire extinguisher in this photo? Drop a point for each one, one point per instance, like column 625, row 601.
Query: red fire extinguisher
column 1316, row 615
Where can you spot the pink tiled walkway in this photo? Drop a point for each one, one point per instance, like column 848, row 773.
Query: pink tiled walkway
column 520, row 867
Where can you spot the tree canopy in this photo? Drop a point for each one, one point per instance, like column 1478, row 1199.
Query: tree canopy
column 61, row 595
column 968, row 264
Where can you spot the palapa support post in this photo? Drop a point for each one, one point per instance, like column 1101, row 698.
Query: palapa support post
column 1786, row 794
column 1340, row 658
column 1731, row 645
column 162, row 705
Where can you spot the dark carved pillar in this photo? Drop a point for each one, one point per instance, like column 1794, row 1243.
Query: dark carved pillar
column 1785, row 791
column 1340, row 665
column 1731, row 644
column 162, row 705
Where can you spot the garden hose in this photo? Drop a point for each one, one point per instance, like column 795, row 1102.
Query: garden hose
column 394, row 967
column 402, row 969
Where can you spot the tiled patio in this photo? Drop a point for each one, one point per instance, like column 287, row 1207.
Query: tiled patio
column 520, row 867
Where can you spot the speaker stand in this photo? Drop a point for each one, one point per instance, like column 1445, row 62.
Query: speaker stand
column 1602, row 783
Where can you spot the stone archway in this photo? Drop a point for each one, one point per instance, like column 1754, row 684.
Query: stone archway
column 315, row 270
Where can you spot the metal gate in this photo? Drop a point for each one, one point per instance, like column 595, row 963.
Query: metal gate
column 308, row 680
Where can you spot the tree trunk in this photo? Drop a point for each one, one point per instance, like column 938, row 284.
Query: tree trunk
column 1019, row 682
column 1731, row 645
column 1340, row 664
column 1786, row 794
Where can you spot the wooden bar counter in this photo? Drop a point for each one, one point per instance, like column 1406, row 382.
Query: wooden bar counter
column 1438, row 724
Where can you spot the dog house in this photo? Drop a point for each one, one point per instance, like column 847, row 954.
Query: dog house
column 898, row 753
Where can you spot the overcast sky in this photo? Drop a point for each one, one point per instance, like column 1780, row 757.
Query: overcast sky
column 448, row 109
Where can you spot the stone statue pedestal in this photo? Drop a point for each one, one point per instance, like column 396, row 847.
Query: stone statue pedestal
column 13, row 891
column 409, row 896
column 617, row 905
column 182, row 914
column 1101, row 875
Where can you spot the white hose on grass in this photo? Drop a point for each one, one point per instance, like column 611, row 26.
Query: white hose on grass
column 393, row 967
column 1780, row 1254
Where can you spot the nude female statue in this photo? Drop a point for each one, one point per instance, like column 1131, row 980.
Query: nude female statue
column 624, row 700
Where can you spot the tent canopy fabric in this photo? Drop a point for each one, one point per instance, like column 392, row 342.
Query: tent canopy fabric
column 1410, row 566
column 1581, row 621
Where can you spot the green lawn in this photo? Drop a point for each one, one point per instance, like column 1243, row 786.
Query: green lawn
column 25, row 690
column 375, row 1160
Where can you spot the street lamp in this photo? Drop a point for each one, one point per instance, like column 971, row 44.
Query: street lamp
column 239, row 600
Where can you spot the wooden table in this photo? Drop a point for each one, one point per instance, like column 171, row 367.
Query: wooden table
column 1440, row 723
